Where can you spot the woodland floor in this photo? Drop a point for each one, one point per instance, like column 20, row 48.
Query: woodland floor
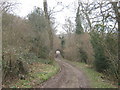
column 69, row 75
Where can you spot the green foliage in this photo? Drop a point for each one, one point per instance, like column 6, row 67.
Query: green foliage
column 111, row 48
column 0, row 64
column 111, row 42
column 106, row 50
column 43, row 52
column 62, row 41
column 79, row 28
column 101, row 62
column 39, row 74
column 23, row 41
column 99, row 27
column 37, row 19
column 45, row 61
column 83, row 55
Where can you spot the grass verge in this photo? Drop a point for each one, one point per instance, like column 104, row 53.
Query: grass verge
column 38, row 74
column 94, row 77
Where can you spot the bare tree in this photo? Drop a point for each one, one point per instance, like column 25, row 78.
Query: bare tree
column 117, row 13
column 7, row 6
column 68, row 26
column 98, row 13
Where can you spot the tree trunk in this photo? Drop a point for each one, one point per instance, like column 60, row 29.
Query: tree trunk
column 117, row 13
column 49, row 29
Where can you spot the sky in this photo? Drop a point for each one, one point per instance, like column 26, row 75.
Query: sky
column 26, row 6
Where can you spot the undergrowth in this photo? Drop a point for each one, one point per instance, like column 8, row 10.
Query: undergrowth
column 39, row 72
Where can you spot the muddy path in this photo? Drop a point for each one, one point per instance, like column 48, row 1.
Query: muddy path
column 68, row 77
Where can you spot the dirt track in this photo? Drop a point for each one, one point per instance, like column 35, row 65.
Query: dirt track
column 68, row 77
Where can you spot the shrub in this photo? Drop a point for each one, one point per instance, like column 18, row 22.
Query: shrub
column 83, row 55
column 12, row 66
column 101, row 62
